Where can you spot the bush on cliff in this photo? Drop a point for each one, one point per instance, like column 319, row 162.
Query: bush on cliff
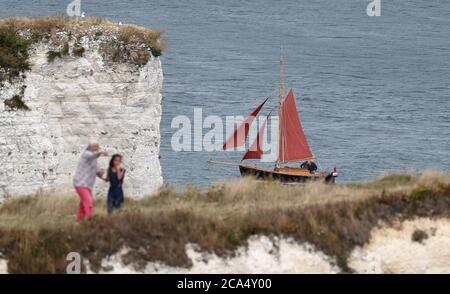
column 36, row 233
column 13, row 54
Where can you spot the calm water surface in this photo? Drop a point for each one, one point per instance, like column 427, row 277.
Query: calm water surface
column 373, row 93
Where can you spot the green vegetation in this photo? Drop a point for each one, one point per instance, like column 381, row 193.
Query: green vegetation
column 16, row 103
column 125, row 43
column 387, row 181
column 52, row 55
column 78, row 50
column 156, row 51
column 131, row 34
column 13, row 54
column 141, row 57
column 127, row 47
column 37, row 232
column 419, row 236
column 65, row 50
column 120, row 43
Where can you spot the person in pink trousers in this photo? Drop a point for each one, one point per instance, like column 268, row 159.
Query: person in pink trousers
column 84, row 179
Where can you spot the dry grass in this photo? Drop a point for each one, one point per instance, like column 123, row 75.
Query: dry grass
column 39, row 28
column 36, row 233
column 119, row 43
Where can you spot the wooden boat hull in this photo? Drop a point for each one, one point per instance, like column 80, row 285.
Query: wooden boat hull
column 286, row 175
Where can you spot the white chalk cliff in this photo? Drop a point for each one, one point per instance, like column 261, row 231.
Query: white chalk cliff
column 390, row 250
column 74, row 99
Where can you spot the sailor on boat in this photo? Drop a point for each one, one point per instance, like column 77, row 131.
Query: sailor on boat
column 309, row 165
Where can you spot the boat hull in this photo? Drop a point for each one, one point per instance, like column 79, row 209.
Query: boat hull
column 288, row 175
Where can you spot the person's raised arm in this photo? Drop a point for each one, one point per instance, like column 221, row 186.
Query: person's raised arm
column 92, row 155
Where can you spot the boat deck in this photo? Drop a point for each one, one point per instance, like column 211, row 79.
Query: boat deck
column 292, row 171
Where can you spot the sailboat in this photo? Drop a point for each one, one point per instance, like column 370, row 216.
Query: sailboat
column 292, row 144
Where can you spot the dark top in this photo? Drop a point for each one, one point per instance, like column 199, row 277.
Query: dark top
column 115, row 192
column 310, row 165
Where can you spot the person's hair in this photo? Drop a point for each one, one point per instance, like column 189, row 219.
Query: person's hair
column 91, row 143
column 111, row 162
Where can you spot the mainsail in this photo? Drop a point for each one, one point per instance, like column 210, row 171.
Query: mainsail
column 256, row 149
column 240, row 134
column 293, row 143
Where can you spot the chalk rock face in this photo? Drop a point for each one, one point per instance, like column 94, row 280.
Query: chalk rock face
column 391, row 250
column 72, row 100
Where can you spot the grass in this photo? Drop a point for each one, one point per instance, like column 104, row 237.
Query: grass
column 17, row 35
column 46, row 27
column 37, row 232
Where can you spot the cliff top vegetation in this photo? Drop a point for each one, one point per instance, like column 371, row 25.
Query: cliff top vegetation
column 117, row 42
column 37, row 232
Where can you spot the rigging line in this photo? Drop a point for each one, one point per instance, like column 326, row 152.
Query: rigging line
column 271, row 110
column 268, row 98
column 270, row 95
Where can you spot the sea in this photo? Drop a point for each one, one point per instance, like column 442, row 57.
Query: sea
column 373, row 92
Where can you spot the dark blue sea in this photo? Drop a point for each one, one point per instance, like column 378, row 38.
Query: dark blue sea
column 373, row 92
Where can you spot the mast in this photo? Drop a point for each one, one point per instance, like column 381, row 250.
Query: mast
column 280, row 141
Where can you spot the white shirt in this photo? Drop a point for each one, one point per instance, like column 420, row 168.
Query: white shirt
column 86, row 171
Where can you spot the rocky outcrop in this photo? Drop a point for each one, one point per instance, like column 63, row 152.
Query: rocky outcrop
column 75, row 90
column 392, row 249
column 399, row 249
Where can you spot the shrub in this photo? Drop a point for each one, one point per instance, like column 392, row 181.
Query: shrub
column 13, row 54
column 78, row 50
column 52, row 55
column 419, row 236
column 141, row 57
column 65, row 50
column 130, row 34
column 156, row 51
column 16, row 103
column 421, row 192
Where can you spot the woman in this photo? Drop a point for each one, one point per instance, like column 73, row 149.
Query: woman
column 115, row 177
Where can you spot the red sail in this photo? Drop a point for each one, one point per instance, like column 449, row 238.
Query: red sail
column 294, row 145
column 240, row 134
column 255, row 151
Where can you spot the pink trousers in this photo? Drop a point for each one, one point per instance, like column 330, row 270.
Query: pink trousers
column 85, row 207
